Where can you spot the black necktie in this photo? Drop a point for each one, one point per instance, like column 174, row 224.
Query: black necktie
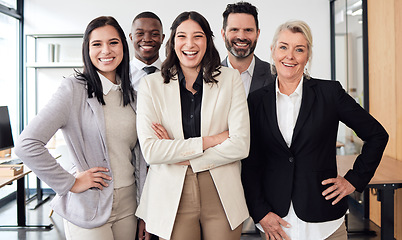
column 149, row 70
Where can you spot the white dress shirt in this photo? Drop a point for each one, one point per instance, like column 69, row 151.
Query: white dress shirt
column 107, row 85
column 287, row 108
column 137, row 72
column 246, row 76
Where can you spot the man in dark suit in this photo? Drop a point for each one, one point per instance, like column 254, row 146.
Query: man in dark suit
column 240, row 32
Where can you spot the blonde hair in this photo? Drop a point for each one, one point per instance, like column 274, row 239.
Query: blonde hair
column 295, row 26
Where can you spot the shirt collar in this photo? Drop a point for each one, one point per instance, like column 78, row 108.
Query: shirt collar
column 298, row 91
column 107, row 85
column 198, row 81
column 250, row 68
column 140, row 65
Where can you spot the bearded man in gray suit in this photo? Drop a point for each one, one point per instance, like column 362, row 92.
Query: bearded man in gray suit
column 240, row 32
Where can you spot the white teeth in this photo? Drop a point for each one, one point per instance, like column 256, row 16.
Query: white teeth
column 289, row 65
column 189, row 53
column 241, row 44
column 146, row 47
column 105, row 59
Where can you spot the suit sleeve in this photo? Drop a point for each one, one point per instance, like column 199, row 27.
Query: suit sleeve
column 30, row 146
column 160, row 151
column 236, row 147
column 369, row 130
column 163, row 151
column 252, row 167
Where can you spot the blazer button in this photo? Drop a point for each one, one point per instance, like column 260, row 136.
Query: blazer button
column 291, row 159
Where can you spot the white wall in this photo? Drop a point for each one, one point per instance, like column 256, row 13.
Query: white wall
column 50, row 16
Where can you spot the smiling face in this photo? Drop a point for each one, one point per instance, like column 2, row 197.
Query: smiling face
column 241, row 34
column 106, row 50
column 290, row 55
column 147, row 37
column 190, row 45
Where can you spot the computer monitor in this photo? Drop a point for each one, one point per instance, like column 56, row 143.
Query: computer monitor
column 6, row 136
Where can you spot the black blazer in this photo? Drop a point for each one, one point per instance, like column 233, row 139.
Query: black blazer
column 261, row 76
column 274, row 175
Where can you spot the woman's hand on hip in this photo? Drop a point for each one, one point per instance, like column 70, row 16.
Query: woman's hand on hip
column 272, row 225
column 93, row 177
column 340, row 188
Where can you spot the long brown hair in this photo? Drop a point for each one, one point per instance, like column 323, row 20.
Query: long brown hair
column 210, row 63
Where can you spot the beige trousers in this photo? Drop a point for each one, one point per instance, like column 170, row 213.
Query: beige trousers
column 200, row 211
column 122, row 224
column 339, row 234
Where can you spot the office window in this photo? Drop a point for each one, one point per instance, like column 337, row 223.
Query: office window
column 348, row 21
column 350, row 65
column 9, row 77
column 349, row 59
column 9, row 3
column 10, row 70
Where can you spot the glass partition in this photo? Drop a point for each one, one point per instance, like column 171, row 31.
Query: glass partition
column 348, row 61
column 349, row 56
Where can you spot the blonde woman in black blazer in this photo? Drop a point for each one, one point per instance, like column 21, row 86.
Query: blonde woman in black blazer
column 290, row 177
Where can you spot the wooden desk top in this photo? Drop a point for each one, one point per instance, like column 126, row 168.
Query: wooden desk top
column 7, row 180
column 389, row 171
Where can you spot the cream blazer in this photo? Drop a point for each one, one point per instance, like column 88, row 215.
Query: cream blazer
column 224, row 107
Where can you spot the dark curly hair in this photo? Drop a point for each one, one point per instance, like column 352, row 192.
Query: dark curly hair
column 240, row 7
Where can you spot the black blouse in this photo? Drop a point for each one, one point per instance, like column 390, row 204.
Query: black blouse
column 191, row 106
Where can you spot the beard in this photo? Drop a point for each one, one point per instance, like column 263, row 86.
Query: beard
column 240, row 53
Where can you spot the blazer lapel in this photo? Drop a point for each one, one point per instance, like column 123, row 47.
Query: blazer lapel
column 269, row 103
column 100, row 120
column 210, row 95
column 258, row 79
column 173, row 107
column 305, row 107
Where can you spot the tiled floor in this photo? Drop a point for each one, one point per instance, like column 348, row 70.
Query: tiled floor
column 40, row 216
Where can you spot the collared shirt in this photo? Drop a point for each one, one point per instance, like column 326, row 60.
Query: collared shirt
column 107, row 85
column 137, row 72
column 247, row 75
column 288, row 108
column 191, row 106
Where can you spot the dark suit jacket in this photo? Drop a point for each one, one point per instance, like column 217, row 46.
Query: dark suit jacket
column 274, row 175
column 262, row 74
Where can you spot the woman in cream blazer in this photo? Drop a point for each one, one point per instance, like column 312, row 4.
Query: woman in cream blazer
column 223, row 109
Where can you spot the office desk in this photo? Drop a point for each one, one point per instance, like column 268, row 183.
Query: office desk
column 386, row 180
column 21, row 214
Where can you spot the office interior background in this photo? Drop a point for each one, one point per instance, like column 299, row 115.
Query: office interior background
column 40, row 43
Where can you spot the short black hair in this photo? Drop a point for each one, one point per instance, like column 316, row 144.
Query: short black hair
column 147, row 15
column 240, row 7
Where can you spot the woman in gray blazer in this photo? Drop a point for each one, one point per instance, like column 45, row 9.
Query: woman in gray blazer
column 96, row 112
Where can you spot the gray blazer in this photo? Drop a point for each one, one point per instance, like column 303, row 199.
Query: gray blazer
column 82, row 122
column 262, row 74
